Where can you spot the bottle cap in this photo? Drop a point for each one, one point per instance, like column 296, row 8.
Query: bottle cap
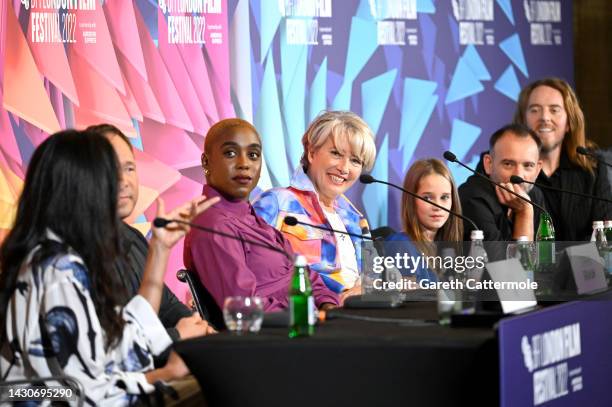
column 300, row 261
column 522, row 239
column 477, row 234
column 598, row 224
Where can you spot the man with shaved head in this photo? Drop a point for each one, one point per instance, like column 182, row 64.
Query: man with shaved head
column 514, row 150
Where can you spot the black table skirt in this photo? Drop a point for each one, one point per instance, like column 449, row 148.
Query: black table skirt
column 350, row 363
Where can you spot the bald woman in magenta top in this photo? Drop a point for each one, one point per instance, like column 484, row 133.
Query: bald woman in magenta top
column 228, row 267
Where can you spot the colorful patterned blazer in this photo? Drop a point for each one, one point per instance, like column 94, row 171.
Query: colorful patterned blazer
column 300, row 200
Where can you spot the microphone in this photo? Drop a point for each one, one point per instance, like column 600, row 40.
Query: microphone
column 453, row 158
column 584, row 151
column 450, row 157
column 292, row 221
column 515, row 179
column 161, row 223
column 589, row 153
column 368, row 179
column 356, row 301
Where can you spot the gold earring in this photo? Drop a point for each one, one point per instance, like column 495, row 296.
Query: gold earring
column 206, row 171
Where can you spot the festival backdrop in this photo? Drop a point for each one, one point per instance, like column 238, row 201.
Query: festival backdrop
column 426, row 76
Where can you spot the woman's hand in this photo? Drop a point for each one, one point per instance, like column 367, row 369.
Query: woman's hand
column 193, row 326
column 356, row 290
column 174, row 369
column 169, row 235
column 162, row 241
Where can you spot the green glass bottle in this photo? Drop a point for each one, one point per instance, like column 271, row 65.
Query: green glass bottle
column 301, row 301
column 546, row 242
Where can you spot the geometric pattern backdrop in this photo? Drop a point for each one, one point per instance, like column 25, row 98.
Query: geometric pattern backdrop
column 425, row 75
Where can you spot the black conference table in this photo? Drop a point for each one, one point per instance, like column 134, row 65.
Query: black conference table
column 351, row 363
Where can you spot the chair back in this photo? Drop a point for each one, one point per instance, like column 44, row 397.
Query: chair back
column 203, row 300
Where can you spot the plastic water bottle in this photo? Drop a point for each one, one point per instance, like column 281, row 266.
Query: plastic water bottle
column 525, row 255
column 608, row 232
column 601, row 242
column 598, row 236
column 477, row 250
column 449, row 301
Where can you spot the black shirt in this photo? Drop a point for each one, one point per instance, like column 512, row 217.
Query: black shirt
column 479, row 203
column 136, row 247
column 572, row 215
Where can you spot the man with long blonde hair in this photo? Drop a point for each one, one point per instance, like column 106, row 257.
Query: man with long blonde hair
column 550, row 108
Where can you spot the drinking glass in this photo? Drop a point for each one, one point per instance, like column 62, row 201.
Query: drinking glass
column 243, row 314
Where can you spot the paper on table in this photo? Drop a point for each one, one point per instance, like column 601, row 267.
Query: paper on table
column 512, row 300
column 587, row 268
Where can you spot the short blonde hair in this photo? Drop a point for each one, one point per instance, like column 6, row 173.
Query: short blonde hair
column 338, row 124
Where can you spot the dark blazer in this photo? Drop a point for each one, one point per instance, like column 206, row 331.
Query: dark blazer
column 135, row 249
column 573, row 216
column 479, row 203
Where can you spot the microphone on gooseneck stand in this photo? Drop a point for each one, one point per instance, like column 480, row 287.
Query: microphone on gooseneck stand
column 515, row 179
column 292, row 221
column 355, row 301
column 368, row 179
column 378, row 242
column 271, row 319
column 161, row 223
column 590, row 153
column 453, row 158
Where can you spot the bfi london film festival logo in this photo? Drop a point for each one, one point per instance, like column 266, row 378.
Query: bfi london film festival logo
column 550, row 350
column 302, row 21
column 472, row 16
column 544, row 17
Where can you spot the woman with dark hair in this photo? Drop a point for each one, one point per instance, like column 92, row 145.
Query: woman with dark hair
column 424, row 224
column 59, row 300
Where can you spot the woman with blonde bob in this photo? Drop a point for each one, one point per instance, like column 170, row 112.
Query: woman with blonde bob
column 423, row 223
column 338, row 146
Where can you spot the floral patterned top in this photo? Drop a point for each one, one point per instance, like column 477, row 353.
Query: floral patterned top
column 53, row 329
